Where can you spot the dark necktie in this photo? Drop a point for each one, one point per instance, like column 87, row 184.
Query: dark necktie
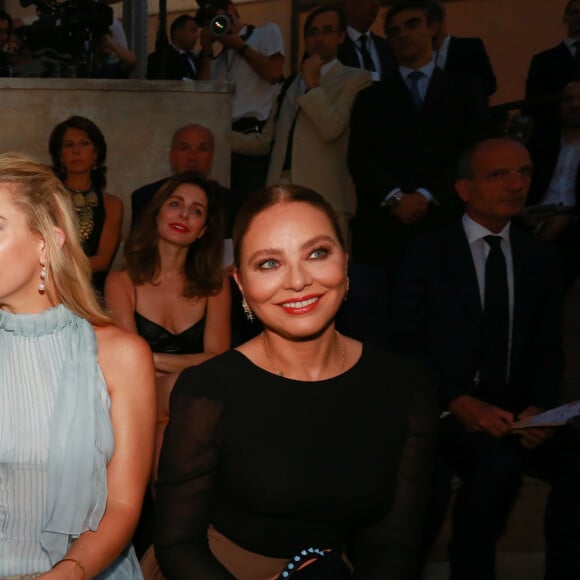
column 368, row 63
column 414, row 77
column 496, row 317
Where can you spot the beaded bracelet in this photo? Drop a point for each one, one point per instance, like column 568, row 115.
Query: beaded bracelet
column 76, row 563
column 306, row 556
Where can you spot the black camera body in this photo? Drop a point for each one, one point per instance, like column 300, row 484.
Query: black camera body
column 67, row 30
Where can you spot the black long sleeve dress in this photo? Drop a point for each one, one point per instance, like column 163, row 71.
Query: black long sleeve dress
column 277, row 465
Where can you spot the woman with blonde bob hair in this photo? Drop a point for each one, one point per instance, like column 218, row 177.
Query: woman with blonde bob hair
column 69, row 380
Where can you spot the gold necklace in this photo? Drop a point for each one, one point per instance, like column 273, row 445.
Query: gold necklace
column 84, row 202
column 340, row 352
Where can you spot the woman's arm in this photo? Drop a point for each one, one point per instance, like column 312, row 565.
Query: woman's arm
column 216, row 337
column 111, row 234
column 120, row 300
column 187, row 468
column 392, row 547
column 127, row 58
column 127, row 366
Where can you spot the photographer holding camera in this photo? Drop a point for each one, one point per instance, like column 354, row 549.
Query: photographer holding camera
column 251, row 56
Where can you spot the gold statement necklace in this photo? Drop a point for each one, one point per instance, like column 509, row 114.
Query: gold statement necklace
column 84, row 202
column 276, row 368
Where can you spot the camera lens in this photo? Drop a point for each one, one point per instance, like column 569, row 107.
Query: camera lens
column 220, row 25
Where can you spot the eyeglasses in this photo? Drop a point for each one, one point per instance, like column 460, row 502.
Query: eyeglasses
column 324, row 31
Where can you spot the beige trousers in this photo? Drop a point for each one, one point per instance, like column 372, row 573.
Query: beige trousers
column 241, row 563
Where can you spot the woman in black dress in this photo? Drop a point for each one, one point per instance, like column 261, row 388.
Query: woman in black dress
column 301, row 438
column 79, row 151
column 173, row 290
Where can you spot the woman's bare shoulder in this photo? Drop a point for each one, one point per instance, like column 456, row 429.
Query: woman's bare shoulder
column 112, row 201
column 120, row 278
column 119, row 349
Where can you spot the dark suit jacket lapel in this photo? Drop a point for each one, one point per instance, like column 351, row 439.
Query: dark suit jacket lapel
column 566, row 55
column 386, row 57
column 523, row 308
column 451, row 54
column 406, row 100
column 462, row 274
column 347, row 53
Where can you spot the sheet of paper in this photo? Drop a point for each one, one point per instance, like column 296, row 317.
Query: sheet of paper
column 552, row 418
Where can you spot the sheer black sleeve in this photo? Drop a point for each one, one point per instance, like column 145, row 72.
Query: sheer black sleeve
column 390, row 548
column 187, row 466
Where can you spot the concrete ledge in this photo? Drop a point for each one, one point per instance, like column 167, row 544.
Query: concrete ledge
column 137, row 118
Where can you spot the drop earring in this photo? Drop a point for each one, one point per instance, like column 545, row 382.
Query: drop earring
column 42, row 285
column 347, row 288
column 247, row 310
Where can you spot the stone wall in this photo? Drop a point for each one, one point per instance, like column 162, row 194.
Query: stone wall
column 137, row 118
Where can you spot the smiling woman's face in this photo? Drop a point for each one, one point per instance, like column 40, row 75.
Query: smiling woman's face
column 293, row 269
column 183, row 216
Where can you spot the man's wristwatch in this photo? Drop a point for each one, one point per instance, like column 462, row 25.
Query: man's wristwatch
column 393, row 201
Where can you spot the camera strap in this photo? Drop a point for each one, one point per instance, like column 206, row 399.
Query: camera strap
column 249, row 31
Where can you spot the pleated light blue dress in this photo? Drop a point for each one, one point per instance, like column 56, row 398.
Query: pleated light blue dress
column 56, row 439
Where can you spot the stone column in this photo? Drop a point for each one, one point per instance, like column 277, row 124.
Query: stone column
column 135, row 25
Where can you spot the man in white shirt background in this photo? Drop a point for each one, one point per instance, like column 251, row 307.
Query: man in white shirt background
column 253, row 57
column 556, row 181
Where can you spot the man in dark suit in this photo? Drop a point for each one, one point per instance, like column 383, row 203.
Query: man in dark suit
column 460, row 54
column 406, row 135
column 177, row 61
column 361, row 47
column 551, row 70
column 480, row 301
column 556, row 182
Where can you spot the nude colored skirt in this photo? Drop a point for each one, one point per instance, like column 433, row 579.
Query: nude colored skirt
column 241, row 563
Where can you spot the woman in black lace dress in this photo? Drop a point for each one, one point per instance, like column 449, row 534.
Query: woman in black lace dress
column 79, row 151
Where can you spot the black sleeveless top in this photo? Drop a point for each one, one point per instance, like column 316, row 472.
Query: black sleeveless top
column 189, row 341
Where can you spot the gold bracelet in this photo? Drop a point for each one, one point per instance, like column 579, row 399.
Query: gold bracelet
column 76, row 563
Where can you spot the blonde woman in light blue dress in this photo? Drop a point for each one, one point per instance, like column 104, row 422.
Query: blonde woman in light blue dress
column 77, row 396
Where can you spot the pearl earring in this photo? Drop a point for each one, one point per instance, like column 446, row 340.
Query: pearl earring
column 42, row 285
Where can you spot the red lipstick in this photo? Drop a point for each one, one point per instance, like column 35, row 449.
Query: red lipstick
column 301, row 305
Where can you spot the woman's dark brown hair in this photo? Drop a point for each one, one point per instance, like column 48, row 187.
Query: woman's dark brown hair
column 203, row 264
column 96, row 137
column 261, row 200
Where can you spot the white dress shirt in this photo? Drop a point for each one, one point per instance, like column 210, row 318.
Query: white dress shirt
column 562, row 188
